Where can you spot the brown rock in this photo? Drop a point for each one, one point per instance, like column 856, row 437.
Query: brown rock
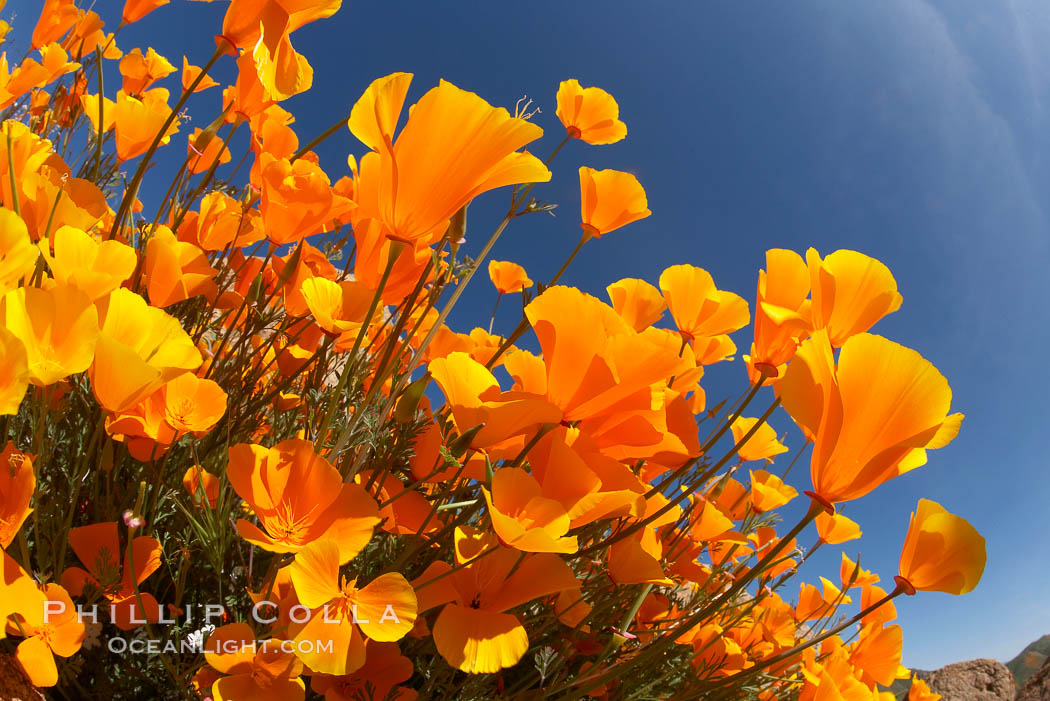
column 1037, row 686
column 14, row 685
column 976, row 680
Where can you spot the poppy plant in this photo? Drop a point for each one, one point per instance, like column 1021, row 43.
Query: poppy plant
column 942, row 552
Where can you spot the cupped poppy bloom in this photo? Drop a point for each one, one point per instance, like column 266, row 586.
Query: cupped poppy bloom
column 589, row 114
column 609, row 199
column 17, row 484
column 264, row 27
column 762, row 445
column 872, row 416
column 81, row 261
column 56, row 18
column 205, row 150
column 851, row 291
column 190, row 73
column 815, row 603
column 384, row 669
column 640, row 304
column 337, row 307
column 920, row 691
column 14, row 372
column 140, row 348
column 700, row 309
column 202, row 485
column 834, row 529
column 52, row 628
column 134, row 10
column 17, row 254
column 523, row 518
column 296, row 199
column 782, row 309
column 384, row 610
column 454, row 147
column 474, row 633
column 853, row 575
column 942, row 552
column 508, row 277
column 193, row 404
column 58, row 327
column 176, row 270
column 99, row 549
column 876, row 656
column 137, row 121
column 299, row 498
column 19, row 593
column 222, row 222
column 474, row 396
column 140, row 71
column 769, row 492
column 262, row 670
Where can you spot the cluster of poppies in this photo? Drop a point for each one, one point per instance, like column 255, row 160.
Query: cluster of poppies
column 250, row 397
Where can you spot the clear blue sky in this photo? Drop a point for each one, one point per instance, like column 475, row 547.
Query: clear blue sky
column 915, row 132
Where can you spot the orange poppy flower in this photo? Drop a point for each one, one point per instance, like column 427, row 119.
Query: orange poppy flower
column 51, row 628
column 134, row 10
column 222, row 222
column 56, row 18
column 640, row 304
column 871, row 593
column 782, row 309
column 263, row 27
column 19, row 593
column 58, row 327
column 851, row 574
column 609, row 199
column 14, row 372
column 337, row 307
column 385, row 667
column 54, row 62
column 876, row 656
column 700, row 309
column 17, row 254
column 851, row 291
column 175, row 270
column 473, row 632
column 204, row 151
column 523, row 518
column 98, row 548
column 384, row 610
column 769, row 492
column 589, row 114
column 192, row 404
column 299, row 498
column 190, row 73
column 202, row 485
column 942, row 552
column 420, row 188
column 763, row 445
column 920, row 691
column 836, row 528
column 508, row 277
column 94, row 267
column 865, row 432
column 296, row 199
column 17, row 483
column 814, row 603
column 137, row 121
column 475, row 398
column 140, row 348
column 140, row 72
column 262, row 670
